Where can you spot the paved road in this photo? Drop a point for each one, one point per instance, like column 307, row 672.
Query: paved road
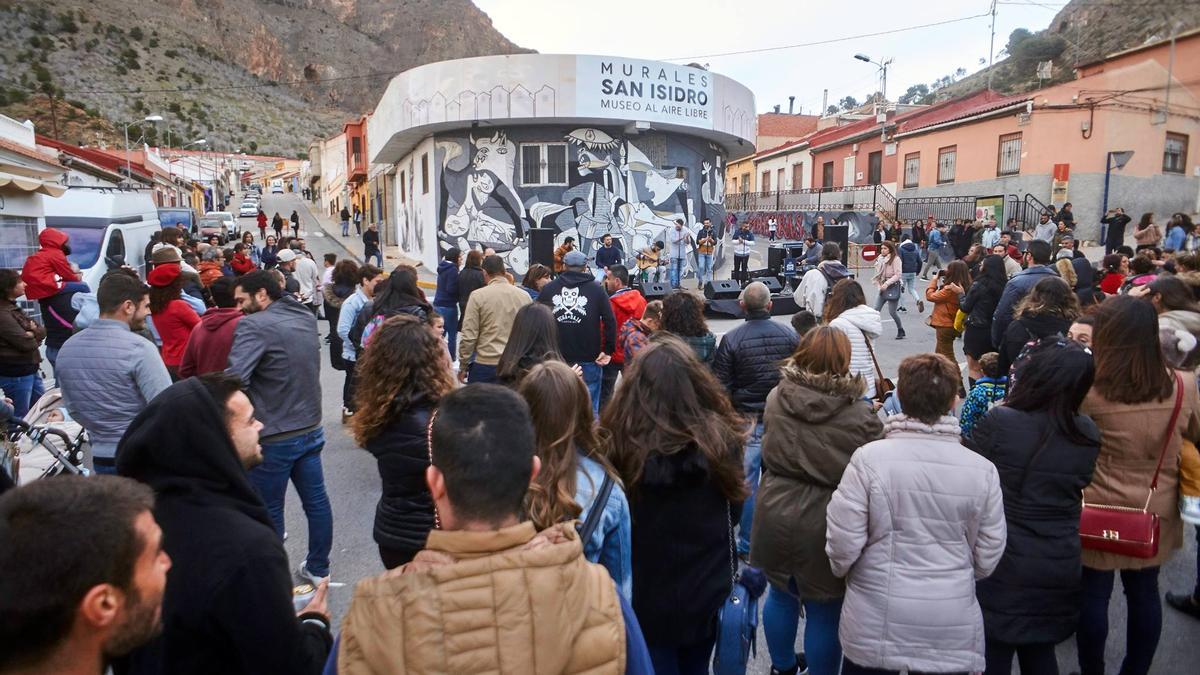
column 353, row 484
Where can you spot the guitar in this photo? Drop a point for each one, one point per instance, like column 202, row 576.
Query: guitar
column 646, row 261
column 706, row 245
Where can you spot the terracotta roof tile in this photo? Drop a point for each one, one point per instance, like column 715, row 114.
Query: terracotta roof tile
column 97, row 157
column 956, row 109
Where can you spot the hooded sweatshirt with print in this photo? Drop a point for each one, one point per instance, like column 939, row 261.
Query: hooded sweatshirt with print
column 586, row 325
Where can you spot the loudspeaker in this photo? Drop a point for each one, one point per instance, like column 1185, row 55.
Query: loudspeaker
column 722, row 289
column 772, row 284
column 541, row 246
column 655, row 290
column 841, row 235
column 775, row 255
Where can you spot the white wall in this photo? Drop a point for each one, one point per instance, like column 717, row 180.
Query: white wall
column 333, row 171
column 785, row 161
column 416, row 214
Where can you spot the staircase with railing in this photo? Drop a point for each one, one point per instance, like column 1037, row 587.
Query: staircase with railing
column 869, row 198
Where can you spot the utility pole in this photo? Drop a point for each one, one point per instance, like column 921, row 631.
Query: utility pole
column 991, row 47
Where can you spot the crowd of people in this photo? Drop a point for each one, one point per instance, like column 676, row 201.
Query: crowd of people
column 573, row 479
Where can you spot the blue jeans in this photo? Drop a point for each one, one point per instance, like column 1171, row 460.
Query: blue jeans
column 593, row 377
column 781, row 618
column 1143, row 623
column 24, row 392
column 377, row 256
column 676, row 272
column 691, row 659
column 345, row 228
column 450, row 315
column 478, row 373
column 298, row 459
column 909, row 281
column 752, row 463
column 704, row 268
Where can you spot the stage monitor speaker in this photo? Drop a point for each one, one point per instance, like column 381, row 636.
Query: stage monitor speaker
column 772, row 284
column 541, row 246
column 655, row 290
column 775, row 255
column 722, row 289
column 841, row 235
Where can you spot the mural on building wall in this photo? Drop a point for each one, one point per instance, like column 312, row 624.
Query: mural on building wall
column 612, row 186
column 412, row 237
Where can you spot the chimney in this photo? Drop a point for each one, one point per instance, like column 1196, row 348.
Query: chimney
column 791, row 104
column 824, row 101
column 776, row 109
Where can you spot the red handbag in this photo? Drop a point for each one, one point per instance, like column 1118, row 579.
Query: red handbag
column 1124, row 530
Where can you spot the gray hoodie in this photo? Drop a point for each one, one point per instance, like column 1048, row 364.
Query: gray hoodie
column 277, row 353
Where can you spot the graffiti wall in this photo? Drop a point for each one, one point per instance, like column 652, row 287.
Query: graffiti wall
column 797, row 224
column 497, row 183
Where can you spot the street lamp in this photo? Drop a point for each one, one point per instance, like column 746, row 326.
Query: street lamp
column 883, row 74
column 128, row 163
column 1113, row 160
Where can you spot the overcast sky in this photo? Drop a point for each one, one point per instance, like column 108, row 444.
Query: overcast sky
column 670, row 29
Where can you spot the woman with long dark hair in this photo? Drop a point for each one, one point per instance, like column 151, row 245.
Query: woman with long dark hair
column 1047, row 310
column 398, row 294
column 815, row 419
column 400, row 379
column 980, row 305
column 945, row 291
column 574, row 468
column 676, row 443
column 1044, row 451
column 277, row 225
column 252, row 252
column 269, row 253
column 173, row 318
column 342, row 284
column 470, row 279
column 683, row 316
column 1132, row 402
column 533, row 339
column 20, row 337
column 847, row 311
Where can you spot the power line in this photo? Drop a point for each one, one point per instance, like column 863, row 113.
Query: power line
column 831, row 40
column 260, row 85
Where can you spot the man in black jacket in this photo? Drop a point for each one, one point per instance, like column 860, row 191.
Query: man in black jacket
column 1114, row 236
column 587, row 330
column 228, row 602
column 747, row 365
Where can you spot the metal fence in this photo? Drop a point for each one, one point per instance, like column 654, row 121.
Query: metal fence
column 941, row 208
column 857, row 198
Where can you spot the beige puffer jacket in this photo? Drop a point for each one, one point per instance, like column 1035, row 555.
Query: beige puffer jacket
column 915, row 521
column 509, row 601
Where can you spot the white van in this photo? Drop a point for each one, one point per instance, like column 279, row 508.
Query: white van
column 277, row 186
column 107, row 227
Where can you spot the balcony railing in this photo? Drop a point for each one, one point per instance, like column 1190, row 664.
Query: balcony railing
column 856, row 198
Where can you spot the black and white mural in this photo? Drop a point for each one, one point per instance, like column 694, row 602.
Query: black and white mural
column 585, row 182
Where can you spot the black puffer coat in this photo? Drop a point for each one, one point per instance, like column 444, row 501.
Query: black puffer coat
column 749, row 357
column 404, row 515
column 1033, row 597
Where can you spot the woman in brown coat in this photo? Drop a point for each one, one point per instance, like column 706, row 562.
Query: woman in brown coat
column 945, row 292
column 20, row 337
column 1131, row 402
column 814, row 420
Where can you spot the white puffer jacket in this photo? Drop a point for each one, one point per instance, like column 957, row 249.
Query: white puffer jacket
column 916, row 519
column 859, row 324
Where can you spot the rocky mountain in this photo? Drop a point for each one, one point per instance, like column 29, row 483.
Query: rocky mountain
column 1082, row 31
column 261, row 76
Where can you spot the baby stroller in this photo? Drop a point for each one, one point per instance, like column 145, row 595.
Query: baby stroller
column 46, row 443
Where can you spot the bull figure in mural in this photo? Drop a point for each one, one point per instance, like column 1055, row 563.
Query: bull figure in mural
column 480, row 208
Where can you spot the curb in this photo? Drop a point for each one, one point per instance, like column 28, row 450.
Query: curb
column 331, row 236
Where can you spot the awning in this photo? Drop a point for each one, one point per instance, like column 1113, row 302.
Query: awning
column 29, row 184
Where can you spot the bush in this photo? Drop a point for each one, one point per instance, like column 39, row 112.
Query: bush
column 173, row 107
column 136, row 33
column 152, row 43
column 40, row 72
column 171, row 53
column 68, row 25
column 122, row 70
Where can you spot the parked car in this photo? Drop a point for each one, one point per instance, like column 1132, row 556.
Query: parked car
column 249, row 209
column 210, row 226
column 230, row 221
column 108, row 228
column 277, row 186
column 171, row 216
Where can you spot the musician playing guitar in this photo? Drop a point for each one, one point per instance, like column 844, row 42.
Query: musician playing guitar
column 706, row 246
column 650, row 259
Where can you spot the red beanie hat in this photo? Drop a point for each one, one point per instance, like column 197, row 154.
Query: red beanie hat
column 163, row 275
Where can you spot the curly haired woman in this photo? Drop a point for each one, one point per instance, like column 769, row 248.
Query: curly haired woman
column 401, row 377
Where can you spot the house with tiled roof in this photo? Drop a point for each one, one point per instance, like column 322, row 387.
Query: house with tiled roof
column 775, row 130
column 91, row 167
column 1119, row 135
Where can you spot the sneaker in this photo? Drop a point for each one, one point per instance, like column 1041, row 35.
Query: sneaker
column 921, row 306
column 903, row 309
column 308, row 576
column 801, row 667
column 1186, row 603
column 900, row 334
column 1189, row 509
